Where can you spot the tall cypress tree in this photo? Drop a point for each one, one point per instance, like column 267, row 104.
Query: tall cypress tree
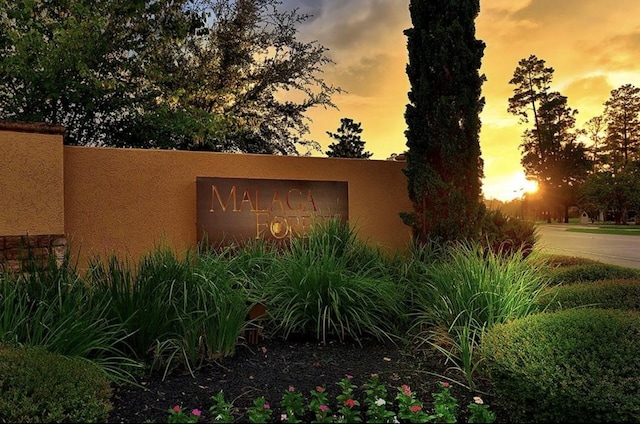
column 444, row 166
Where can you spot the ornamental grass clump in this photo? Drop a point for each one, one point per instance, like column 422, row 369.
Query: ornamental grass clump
column 318, row 288
column 177, row 311
column 469, row 289
column 142, row 296
column 51, row 306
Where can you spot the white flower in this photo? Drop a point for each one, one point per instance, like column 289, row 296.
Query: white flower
column 380, row 402
column 283, row 417
column 395, row 420
column 218, row 418
column 478, row 400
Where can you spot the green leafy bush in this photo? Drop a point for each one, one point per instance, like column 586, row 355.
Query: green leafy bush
column 578, row 365
column 554, row 261
column 508, row 235
column 38, row 386
column 608, row 294
column 590, row 272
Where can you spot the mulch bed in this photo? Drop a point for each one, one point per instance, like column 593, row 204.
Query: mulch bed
column 269, row 367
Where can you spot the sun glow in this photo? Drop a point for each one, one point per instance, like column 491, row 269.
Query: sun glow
column 528, row 186
column 512, row 187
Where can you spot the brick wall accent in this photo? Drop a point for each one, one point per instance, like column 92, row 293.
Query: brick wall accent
column 15, row 251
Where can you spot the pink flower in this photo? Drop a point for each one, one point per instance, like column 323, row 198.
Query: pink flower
column 266, row 406
column 323, row 408
column 478, row 400
column 445, row 384
column 319, row 389
column 416, row 408
column 406, row 389
column 349, row 403
column 196, row 412
column 176, row 408
column 292, row 389
column 348, row 376
column 283, row 417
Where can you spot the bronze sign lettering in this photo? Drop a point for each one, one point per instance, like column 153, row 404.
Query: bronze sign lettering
column 234, row 209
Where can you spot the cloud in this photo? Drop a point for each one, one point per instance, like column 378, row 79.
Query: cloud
column 588, row 94
column 354, row 27
column 381, row 74
column 504, row 6
column 617, row 52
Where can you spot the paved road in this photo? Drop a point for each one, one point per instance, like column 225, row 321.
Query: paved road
column 607, row 248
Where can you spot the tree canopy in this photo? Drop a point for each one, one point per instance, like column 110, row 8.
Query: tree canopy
column 615, row 184
column 186, row 74
column 348, row 141
column 444, row 166
column 622, row 118
column 551, row 152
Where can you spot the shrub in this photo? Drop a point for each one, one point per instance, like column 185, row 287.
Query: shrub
column 508, row 235
column 609, row 294
column 38, row 386
column 590, row 272
column 553, row 261
column 579, row 365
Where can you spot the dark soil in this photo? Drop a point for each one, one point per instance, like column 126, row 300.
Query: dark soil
column 269, row 367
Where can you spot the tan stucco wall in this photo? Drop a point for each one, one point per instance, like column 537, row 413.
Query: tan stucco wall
column 31, row 183
column 125, row 200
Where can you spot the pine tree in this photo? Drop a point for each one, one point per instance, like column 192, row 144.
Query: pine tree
column 444, row 166
column 622, row 116
column 551, row 152
column 349, row 143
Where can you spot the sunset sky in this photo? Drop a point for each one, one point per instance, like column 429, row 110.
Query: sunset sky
column 593, row 45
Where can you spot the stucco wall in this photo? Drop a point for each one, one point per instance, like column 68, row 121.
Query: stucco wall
column 126, row 200
column 31, row 181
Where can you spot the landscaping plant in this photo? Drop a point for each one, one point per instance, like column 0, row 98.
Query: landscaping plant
column 260, row 411
column 37, row 386
column 380, row 408
column 292, row 406
column 177, row 415
column 221, row 410
column 469, row 289
column 177, row 311
column 52, row 307
column 577, row 365
column 317, row 289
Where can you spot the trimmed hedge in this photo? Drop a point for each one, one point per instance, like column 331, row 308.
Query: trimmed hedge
column 41, row 387
column 591, row 272
column 579, row 365
column 610, row 294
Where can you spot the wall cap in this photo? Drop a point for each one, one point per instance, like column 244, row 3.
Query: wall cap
column 31, row 127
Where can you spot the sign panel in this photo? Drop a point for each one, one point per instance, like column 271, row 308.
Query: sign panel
column 234, row 209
